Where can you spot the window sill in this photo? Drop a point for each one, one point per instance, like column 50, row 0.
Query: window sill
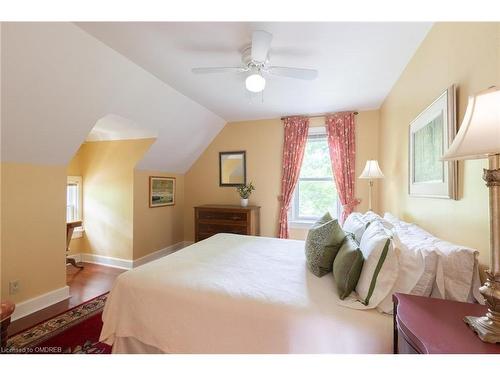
column 78, row 233
column 303, row 224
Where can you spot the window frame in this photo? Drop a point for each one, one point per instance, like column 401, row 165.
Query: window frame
column 294, row 218
column 78, row 180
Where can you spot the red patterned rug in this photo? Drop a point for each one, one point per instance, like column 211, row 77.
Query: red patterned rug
column 74, row 332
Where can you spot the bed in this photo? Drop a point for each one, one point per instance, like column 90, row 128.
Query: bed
column 237, row 294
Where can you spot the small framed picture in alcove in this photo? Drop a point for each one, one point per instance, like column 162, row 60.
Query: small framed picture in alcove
column 161, row 191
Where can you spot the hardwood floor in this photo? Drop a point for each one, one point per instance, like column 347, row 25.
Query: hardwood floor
column 84, row 284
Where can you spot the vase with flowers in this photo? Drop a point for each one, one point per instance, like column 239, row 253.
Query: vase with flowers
column 244, row 191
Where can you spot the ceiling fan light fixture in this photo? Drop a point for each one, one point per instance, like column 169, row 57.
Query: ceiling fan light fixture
column 255, row 83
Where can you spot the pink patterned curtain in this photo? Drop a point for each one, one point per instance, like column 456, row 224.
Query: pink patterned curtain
column 340, row 130
column 296, row 130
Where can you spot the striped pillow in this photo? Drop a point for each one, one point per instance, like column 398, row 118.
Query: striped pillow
column 381, row 265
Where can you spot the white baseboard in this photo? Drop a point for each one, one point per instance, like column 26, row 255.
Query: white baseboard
column 126, row 263
column 40, row 302
column 103, row 260
column 160, row 253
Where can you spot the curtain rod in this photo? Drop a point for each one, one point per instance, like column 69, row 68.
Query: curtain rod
column 320, row 115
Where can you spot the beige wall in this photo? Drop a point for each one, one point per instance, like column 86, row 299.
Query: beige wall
column 465, row 54
column 159, row 227
column 33, row 229
column 107, row 169
column 263, row 142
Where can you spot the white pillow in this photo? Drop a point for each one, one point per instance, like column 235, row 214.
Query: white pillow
column 395, row 221
column 381, row 265
column 370, row 216
column 457, row 272
column 392, row 219
column 417, row 270
column 452, row 269
column 355, row 225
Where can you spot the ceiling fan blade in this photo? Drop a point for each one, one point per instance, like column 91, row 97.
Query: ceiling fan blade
column 261, row 41
column 218, row 70
column 299, row 73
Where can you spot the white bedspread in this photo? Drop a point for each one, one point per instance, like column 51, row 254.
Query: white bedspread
column 239, row 294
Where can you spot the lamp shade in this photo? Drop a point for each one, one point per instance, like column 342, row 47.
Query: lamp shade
column 371, row 171
column 479, row 133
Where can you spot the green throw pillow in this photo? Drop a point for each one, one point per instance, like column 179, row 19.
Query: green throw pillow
column 347, row 267
column 322, row 244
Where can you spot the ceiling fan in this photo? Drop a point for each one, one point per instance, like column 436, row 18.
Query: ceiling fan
column 255, row 61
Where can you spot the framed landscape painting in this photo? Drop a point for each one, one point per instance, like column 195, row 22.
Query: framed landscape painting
column 161, row 191
column 431, row 133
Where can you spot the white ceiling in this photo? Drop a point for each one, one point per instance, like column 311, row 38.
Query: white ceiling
column 358, row 63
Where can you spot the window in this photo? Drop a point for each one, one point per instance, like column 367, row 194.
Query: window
column 315, row 193
column 74, row 202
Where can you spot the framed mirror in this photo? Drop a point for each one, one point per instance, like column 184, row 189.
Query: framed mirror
column 232, row 168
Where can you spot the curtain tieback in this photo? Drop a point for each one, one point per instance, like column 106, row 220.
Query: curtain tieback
column 350, row 206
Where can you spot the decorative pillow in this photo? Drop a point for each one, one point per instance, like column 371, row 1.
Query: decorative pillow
column 381, row 266
column 322, row 244
column 347, row 267
column 356, row 225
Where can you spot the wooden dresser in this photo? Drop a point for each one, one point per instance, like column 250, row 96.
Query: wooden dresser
column 424, row 325
column 213, row 219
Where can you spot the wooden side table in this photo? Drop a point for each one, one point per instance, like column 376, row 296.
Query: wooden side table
column 424, row 325
column 70, row 227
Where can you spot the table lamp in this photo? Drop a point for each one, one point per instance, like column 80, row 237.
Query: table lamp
column 478, row 138
column 371, row 172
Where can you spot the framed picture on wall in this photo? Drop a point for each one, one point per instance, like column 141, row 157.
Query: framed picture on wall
column 232, row 168
column 161, row 191
column 430, row 135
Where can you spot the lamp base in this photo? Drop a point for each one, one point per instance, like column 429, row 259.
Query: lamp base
column 486, row 329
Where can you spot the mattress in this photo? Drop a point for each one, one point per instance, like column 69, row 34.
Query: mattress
column 237, row 294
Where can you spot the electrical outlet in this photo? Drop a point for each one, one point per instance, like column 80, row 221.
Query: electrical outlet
column 14, row 286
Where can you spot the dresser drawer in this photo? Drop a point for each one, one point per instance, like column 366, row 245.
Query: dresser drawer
column 222, row 215
column 210, row 220
column 221, row 228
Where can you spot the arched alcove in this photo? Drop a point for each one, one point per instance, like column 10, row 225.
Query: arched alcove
column 105, row 165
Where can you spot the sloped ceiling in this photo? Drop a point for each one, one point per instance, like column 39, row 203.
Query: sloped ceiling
column 58, row 81
column 358, row 62
column 116, row 128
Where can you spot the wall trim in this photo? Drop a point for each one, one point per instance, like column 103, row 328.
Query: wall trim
column 40, row 302
column 126, row 263
column 103, row 260
column 160, row 253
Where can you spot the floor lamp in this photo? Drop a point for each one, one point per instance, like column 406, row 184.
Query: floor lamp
column 371, row 172
column 478, row 138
